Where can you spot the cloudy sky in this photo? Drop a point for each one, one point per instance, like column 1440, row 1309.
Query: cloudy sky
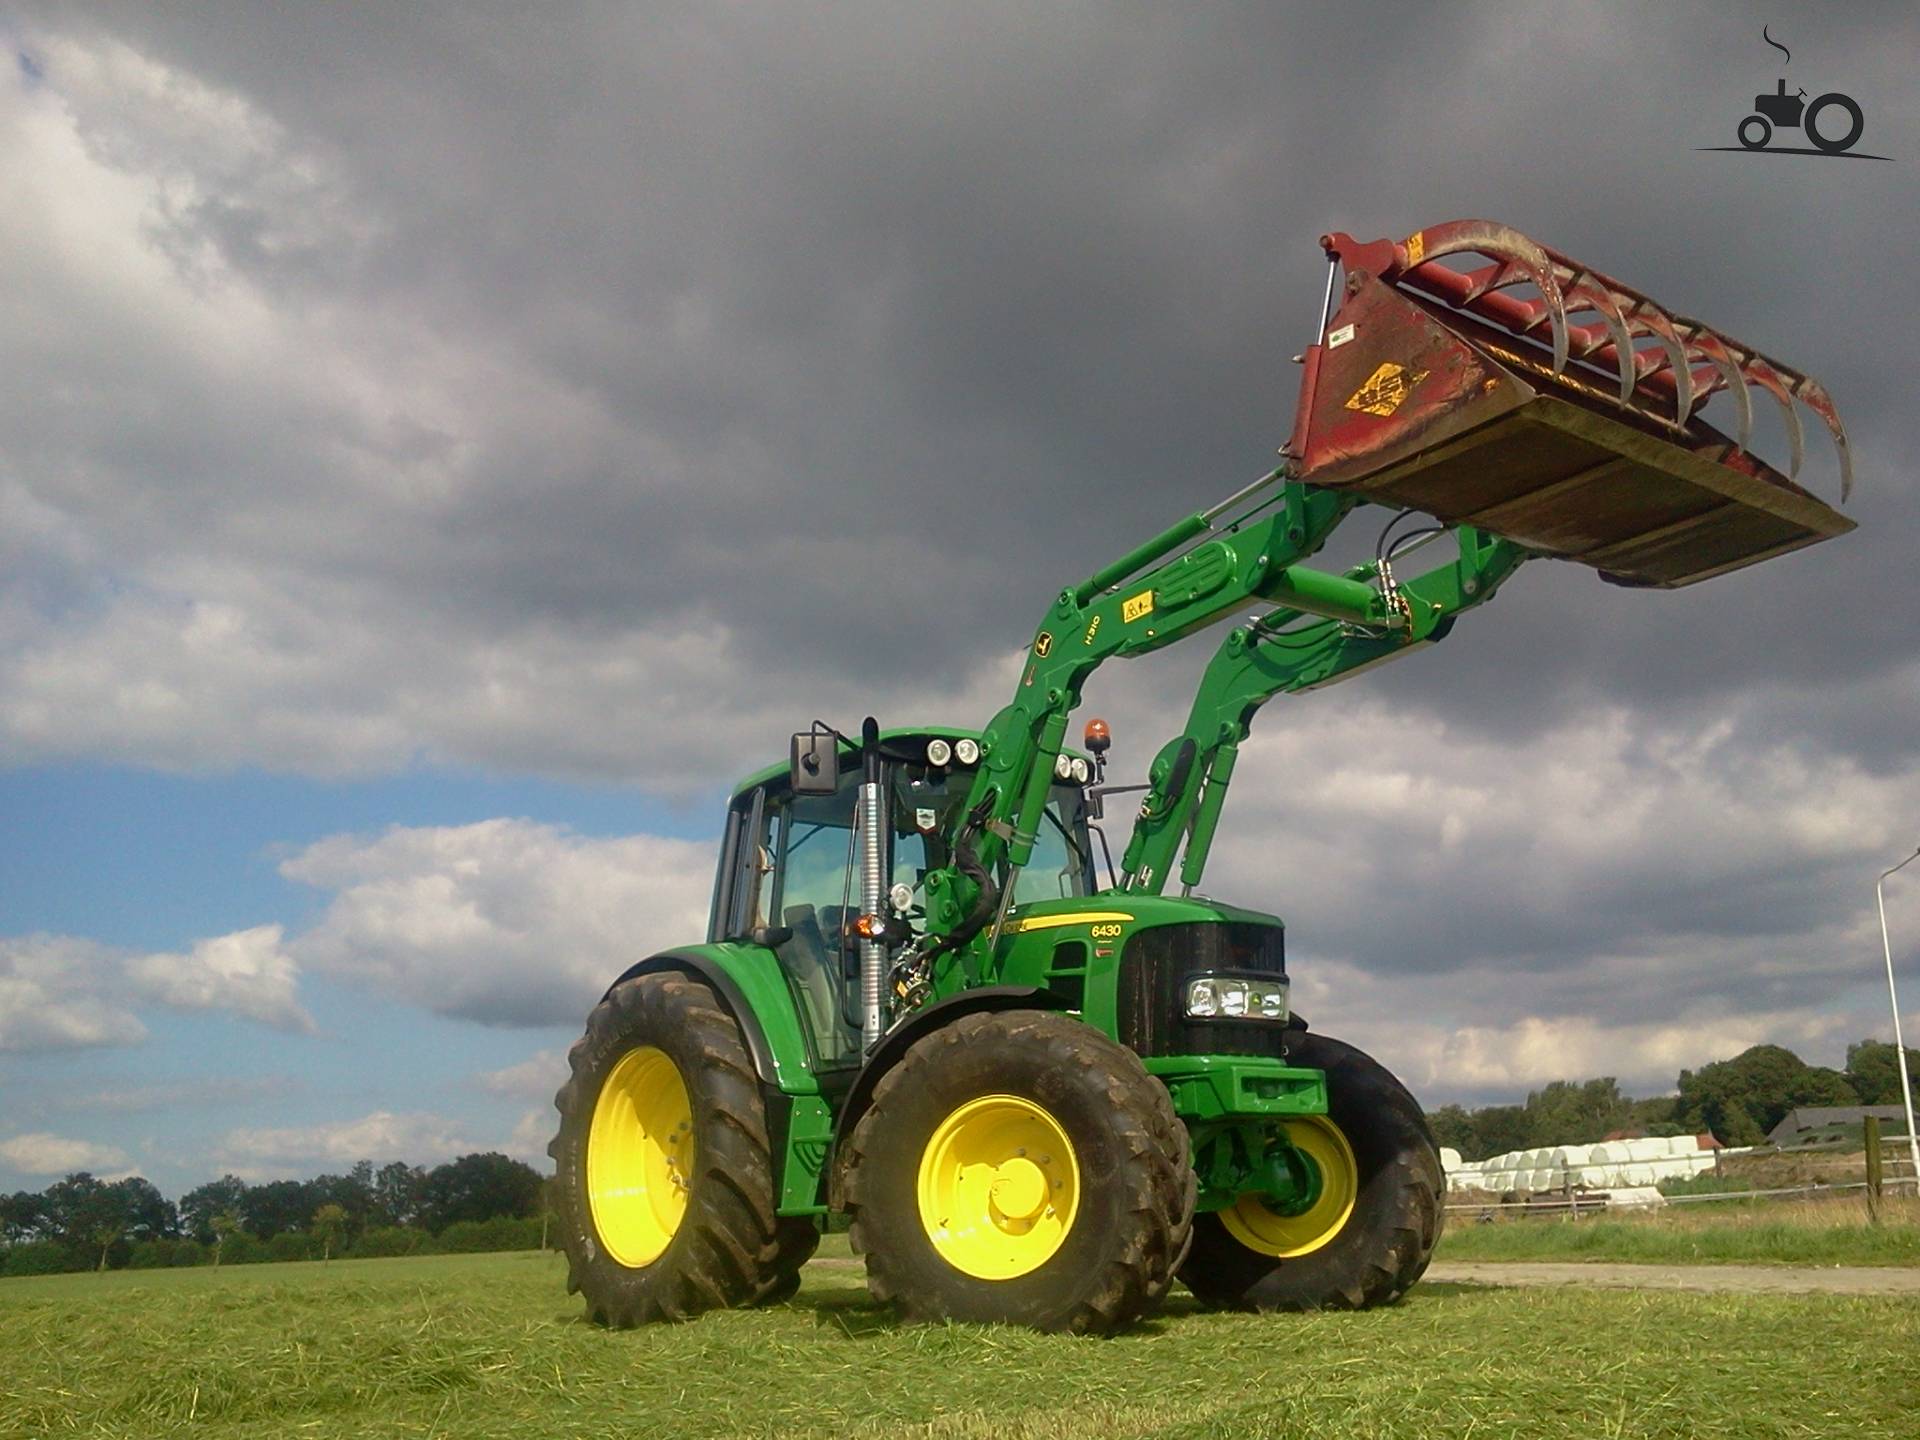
column 441, row 449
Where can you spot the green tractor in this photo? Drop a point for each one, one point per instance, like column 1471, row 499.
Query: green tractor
column 1038, row 1087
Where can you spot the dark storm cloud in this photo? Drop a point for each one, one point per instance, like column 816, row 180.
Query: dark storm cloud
column 1004, row 288
column 604, row 390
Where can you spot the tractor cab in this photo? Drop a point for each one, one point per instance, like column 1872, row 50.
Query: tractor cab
column 789, row 877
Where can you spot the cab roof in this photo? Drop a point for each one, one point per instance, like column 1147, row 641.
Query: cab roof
column 849, row 747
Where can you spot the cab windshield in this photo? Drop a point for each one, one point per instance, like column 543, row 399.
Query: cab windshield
column 798, row 871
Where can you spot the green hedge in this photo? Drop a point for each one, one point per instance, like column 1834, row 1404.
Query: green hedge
column 159, row 1254
column 385, row 1241
column 503, row 1232
column 38, row 1257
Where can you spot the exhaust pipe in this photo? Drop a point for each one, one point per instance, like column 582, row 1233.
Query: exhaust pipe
column 873, row 884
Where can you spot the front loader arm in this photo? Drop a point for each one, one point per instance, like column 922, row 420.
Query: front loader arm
column 1253, row 556
column 1276, row 656
column 1468, row 373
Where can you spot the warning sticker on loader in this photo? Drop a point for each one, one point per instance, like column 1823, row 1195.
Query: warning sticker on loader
column 1137, row 607
column 1385, row 390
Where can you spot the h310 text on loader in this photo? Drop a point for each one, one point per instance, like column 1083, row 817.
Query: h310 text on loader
column 1041, row 1100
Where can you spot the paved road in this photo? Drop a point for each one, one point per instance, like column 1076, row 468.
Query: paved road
column 1739, row 1279
column 1735, row 1279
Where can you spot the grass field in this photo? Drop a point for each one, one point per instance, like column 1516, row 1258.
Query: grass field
column 1826, row 1232
column 489, row 1345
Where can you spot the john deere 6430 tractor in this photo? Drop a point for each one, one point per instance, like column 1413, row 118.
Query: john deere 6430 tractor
column 1039, row 1087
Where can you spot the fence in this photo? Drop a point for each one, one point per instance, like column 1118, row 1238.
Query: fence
column 1571, row 1193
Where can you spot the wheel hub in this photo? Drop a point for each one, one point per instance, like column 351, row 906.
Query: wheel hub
column 1018, row 1193
column 1294, row 1231
column 999, row 1187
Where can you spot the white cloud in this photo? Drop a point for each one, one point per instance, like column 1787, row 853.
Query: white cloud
column 57, row 992
column 178, row 1094
column 535, row 1078
column 40, row 1153
column 245, row 972
column 530, row 1136
column 60, row 992
column 508, row 922
column 417, row 1137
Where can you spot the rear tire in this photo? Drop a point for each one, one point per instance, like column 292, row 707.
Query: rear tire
column 1020, row 1167
column 662, row 1073
column 1383, row 1244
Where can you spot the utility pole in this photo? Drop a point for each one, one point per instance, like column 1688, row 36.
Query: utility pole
column 1893, row 997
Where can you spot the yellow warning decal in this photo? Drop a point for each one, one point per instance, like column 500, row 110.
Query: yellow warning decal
column 1385, row 389
column 1136, row 607
column 1043, row 644
column 1416, row 247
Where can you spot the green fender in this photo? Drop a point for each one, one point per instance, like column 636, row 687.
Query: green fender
column 749, row 979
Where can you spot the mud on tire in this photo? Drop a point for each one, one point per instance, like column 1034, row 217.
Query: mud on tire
column 729, row 1247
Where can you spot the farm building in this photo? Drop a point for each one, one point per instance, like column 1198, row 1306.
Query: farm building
column 1813, row 1124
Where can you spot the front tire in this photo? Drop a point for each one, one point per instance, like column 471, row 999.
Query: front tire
column 1020, row 1167
column 665, row 1178
column 1370, row 1235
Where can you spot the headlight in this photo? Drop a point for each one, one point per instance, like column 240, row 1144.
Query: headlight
column 1063, row 767
column 967, row 751
column 1082, row 772
column 939, row 752
column 1202, row 999
column 1236, row 997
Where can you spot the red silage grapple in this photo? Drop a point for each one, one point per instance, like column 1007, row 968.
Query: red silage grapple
column 1538, row 399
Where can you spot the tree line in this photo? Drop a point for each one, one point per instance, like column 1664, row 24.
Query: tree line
column 1736, row 1101
column 483, row 1201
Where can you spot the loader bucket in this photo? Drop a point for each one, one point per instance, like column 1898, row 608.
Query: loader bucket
column 1542, row 401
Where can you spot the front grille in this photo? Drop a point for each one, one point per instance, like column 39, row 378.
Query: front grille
column 1154, row 969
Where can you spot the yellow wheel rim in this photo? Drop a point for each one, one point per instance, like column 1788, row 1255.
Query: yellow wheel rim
column 999, row 1187
column 640, row 1156
column 1255, row 1226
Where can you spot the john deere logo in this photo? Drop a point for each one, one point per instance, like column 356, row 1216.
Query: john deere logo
column 1386, row 389
column 1832, row 122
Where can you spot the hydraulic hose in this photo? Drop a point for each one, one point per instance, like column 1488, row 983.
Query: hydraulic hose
column 987, row 903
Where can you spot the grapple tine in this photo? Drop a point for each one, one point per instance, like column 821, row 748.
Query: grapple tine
column 1813, row 395
column 1655, row 322
column 1763, row 375
column 1714, row 349
column 1579, row 291
column 1497, row 242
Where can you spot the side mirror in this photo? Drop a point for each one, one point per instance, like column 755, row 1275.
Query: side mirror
column 815, row 765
